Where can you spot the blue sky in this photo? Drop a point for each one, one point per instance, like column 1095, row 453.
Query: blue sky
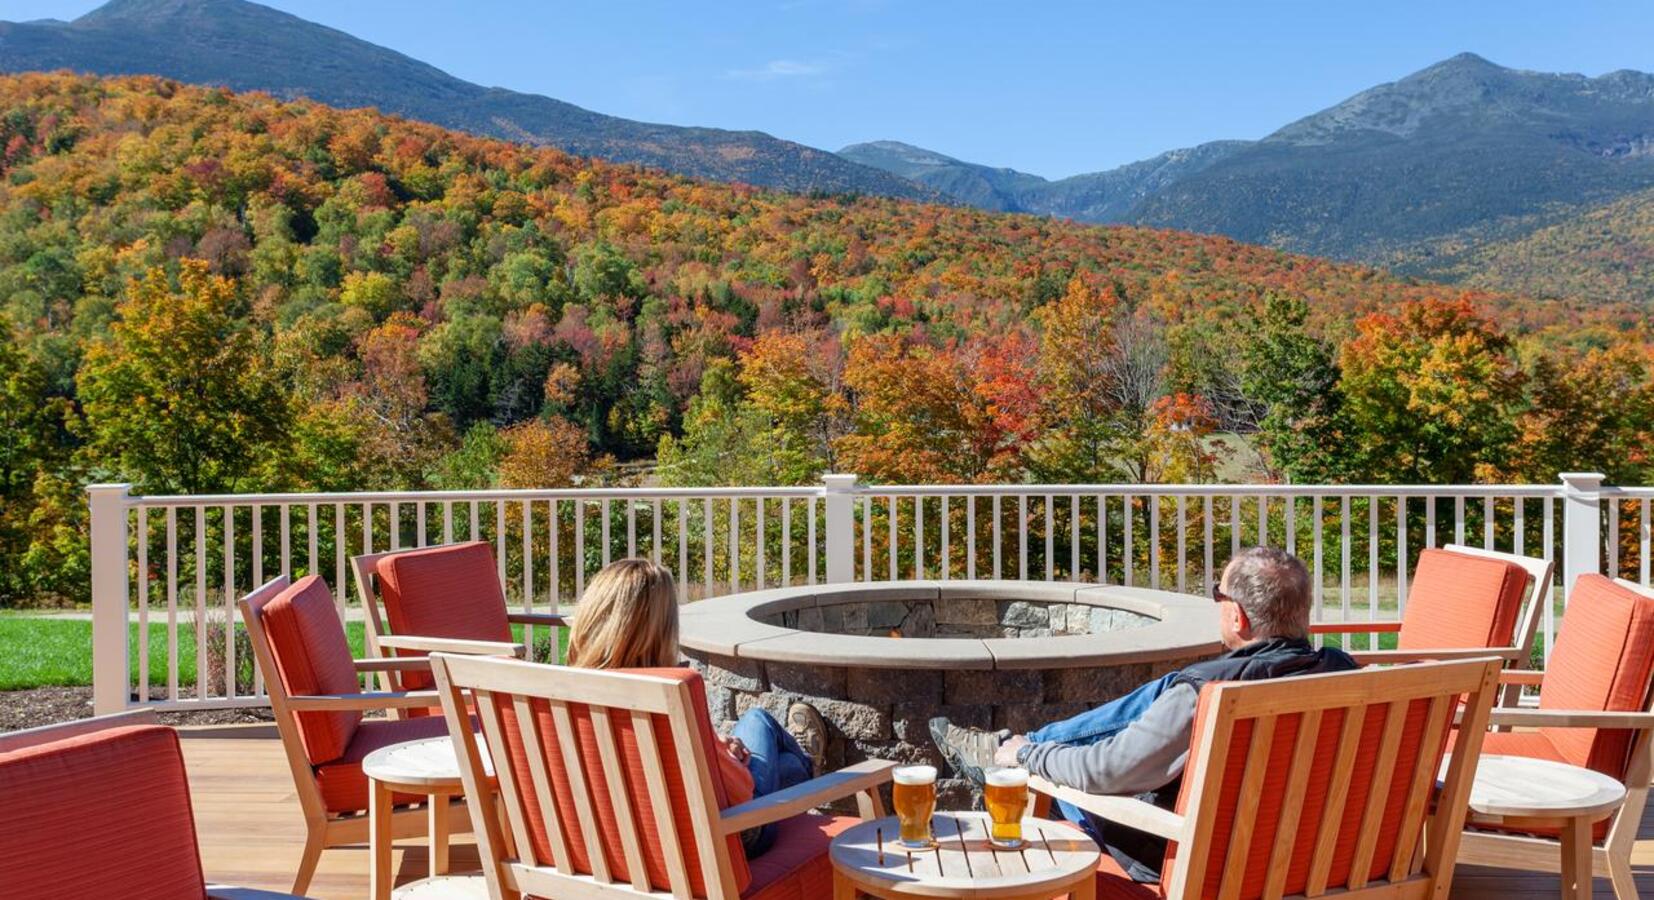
column 1051, row 88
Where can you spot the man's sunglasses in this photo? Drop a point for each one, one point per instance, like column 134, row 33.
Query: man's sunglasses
column 1218, row 596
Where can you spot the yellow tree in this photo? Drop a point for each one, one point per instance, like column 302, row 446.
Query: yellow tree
column 178, row 398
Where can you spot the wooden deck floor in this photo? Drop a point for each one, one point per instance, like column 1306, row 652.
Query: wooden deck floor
column 251, row 831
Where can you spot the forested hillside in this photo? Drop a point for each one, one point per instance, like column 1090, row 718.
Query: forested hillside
column 1602, row 255
column 202, row 291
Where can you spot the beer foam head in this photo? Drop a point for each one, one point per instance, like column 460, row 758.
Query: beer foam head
column 914, row 775
column 1007, row 777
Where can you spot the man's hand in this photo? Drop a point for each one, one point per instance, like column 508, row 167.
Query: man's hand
column 1006, row 755
column 737, row 749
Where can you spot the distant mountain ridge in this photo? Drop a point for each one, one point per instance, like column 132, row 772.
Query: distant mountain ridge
column 1411, row 174
column 1094, row 197
column 245, row 46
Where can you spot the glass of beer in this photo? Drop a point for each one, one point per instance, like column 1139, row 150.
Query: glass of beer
column 913, row 793
column 1006, row 796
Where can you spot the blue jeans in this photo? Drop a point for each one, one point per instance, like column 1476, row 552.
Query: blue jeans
column 1095, row 725
column 775, row 762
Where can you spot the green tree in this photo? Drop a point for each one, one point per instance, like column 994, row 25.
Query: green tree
column 178, row 398
column 1292, row 377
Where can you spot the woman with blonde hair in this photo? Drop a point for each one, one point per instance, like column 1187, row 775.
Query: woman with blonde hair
column 628, row 619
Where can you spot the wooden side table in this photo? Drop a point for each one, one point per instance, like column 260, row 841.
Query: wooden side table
column 426, row 767
column 1054, row 860
column 1523, row 792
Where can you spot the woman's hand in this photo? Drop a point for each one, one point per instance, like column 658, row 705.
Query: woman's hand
column 737, row 749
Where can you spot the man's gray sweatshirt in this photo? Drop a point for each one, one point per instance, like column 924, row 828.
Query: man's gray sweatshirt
column 1147, row 755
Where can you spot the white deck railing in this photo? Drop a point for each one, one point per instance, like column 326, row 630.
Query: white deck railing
column 163, row 565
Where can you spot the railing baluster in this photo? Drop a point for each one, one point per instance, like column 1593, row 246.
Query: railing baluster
column 1292, row 524
column 1153, row 500
column 1487, row 522
column 1320, row 576
column 810, row 525
column 1234, row 525
column 1263, row 520
column 476, row 525
column 447, row 522
column 1430, row 521
column 919, row 537
column 631, row 529
column 706, row 560
column 1549, row 537
column 1401, row 555
column 528, row 571
column 1612, row 550
column 228, row 517
column 1074, row 537
column 396, row 526
column 580, row 549
column 970, row 537
column 1050, row 541
column 143, row 603
column 1209, row 578
column 1128, row 550
column 763, row 538
column 683, row 552
column 499, row 540
column 786, row 541
column 947, row 541
column 172, row 604
column 1372, row 566
column 1519, row 535
column 892, row 542
column 1642, row 544
column 1458, row 520
column 997, row 527
column 310, row 567
column 554, row 530
column 608, row 532
column 1102, row 539
column 1022, row 537
column 1344, row 555
column 419, row 524
column 200, row 603
column 866, row 539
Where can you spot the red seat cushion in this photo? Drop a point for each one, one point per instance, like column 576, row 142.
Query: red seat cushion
column 1603, row 660
column 452, row 591
column 635, row 786
column 344, row 788
column 796, row 867
column 104, row 814
column 1114, row 884
column 313, row 657
column 1461, row 600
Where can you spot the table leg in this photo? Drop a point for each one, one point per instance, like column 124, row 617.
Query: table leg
column 1086, row 889
column 379, row 840
column 1576, row 859
column 842, row 888
column 437, row 812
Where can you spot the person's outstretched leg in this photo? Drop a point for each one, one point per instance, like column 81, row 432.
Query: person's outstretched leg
column 1103, row 721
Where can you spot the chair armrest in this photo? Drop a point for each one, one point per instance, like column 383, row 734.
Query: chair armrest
column 1354, row 627
column 226, row 892
column 528, row 618
column 1396, row 657
column 1527, row 677
column 1571, row 718
column 784, row 804
column 364, row 701
column 393, row 664
column 1128, row 811
column 450, row 645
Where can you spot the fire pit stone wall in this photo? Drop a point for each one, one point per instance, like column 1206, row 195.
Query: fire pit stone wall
column 879, row 660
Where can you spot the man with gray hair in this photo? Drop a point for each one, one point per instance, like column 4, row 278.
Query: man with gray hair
column 1139, row 743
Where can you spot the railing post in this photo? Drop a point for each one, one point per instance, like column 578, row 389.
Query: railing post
column 1581, row 526
column 841, row 527
column 110, row 666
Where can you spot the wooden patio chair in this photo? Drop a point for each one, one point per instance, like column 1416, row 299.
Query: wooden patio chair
column 315, row 693
column 619, row 762
column 1319, row 784
column 1596, row 709
column 1463, row 602
column 445, row 598
column 101, row 808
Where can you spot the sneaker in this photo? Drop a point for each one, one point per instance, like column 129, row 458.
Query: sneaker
column 805, row 725
column 968, row 750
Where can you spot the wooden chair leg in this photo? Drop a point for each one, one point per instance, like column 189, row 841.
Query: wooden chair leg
column 1576, row 859
column 1619, row 871
column 437, row 811
column 314, row 843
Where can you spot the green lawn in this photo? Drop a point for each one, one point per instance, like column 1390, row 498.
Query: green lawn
column 41, row 651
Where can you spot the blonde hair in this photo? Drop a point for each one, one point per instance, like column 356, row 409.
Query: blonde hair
column 627, row 618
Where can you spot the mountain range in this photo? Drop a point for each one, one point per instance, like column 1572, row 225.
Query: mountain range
column 246, row 46
column 1439, row 174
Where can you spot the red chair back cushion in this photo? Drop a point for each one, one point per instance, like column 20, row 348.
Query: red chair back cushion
column 1603, row 660
column 313, row 657
column 1316, row 797
column 104, row 814
column 1460, row 600
column 452, row 591
column 634, row 785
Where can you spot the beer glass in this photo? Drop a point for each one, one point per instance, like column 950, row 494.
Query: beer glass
column 913, row 793
column 1006, row 796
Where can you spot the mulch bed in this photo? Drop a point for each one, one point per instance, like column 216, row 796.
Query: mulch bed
column 50, row 705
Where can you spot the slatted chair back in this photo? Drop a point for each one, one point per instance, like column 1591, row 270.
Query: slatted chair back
column 605, row 777
column 1328, row 784
column 444, row 591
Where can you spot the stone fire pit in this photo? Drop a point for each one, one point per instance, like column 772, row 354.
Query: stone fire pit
column 879, row 660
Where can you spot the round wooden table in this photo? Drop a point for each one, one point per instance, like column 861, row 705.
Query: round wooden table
column 426, row 767
column 1055, row 859
column 1523, row 792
